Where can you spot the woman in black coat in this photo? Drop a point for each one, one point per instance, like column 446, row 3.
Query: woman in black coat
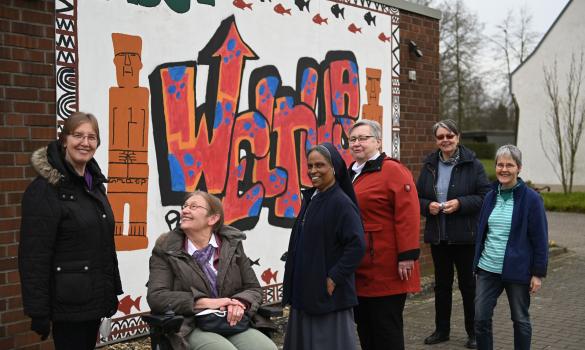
column 451, row 187
column 325, row 248
column 67, row 258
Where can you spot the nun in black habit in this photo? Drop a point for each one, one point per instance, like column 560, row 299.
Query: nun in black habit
column 325, row 248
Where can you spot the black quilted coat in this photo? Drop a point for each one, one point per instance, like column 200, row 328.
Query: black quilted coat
column 67, row 258
column 468, row 184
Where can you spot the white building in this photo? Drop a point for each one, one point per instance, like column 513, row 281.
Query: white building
column 564, row 38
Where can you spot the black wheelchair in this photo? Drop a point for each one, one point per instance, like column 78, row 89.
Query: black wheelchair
column 163, row 325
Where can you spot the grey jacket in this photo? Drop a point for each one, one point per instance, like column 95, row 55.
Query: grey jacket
column 177, row 281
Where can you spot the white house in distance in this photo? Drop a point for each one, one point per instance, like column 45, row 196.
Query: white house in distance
column 565, row 37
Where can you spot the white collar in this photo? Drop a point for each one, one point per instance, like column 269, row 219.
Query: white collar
column 357, row 168
column 192, row 249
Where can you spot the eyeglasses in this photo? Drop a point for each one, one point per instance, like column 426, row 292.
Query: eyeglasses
column 192, row 206
column 505, row 166
column 91, row 138
column 445, row 136
column 363, row 138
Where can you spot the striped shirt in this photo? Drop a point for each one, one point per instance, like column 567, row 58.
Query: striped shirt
column 499, row 224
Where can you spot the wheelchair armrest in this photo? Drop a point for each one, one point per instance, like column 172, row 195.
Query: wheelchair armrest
column 163, row 323
column 269, row 311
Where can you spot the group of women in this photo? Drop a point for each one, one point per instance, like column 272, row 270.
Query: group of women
column 352, row 256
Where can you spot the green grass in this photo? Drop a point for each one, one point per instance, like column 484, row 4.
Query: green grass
column 573, row 202
column 490, row 168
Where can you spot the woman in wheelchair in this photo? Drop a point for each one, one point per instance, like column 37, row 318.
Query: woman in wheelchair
column 201, row 268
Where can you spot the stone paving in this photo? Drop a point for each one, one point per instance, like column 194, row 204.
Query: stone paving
column 557, row 311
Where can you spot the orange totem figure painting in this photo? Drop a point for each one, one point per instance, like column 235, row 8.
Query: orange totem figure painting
column 128, row 151
column 373, row 110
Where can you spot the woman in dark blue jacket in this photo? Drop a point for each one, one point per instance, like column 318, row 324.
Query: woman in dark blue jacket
column 451, row 187
column 325, row 248
column 511, row 251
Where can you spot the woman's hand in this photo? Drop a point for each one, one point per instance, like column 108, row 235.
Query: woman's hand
column 451, row 206
column 405, row 269
column 330, row 286
column 535, row 284
column 434, row 208
column 217, row 303
column 235, row 313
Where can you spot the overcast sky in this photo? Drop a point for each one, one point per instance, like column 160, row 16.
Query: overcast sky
column 493, row 12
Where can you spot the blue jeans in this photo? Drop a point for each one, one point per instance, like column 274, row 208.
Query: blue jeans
column 489, row 286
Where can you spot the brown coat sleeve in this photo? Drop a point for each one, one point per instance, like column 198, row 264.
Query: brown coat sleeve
column 249, row 290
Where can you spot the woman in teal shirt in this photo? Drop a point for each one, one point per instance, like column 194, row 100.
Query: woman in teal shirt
column 511, row 250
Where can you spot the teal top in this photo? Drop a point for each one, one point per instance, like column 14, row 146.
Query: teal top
column 499, row 224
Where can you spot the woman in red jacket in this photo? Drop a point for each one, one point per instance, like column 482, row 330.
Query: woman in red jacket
column 389, row 208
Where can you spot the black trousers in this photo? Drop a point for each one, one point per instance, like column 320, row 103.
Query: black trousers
column 445, row 258
column 75, row 335
column 379, row 322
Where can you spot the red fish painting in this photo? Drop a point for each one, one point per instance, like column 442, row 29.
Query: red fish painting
column 241, row 4
column 281, row 10
column 354, row 29
column 125, row 305
column 383, row 37
column 319, row 20
column 268, row 275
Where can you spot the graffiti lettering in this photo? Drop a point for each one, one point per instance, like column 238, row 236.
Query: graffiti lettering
column 254, row 158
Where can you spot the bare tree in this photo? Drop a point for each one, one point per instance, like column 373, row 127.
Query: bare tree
column 565, row 119
column 514, row 41
column 460, row 44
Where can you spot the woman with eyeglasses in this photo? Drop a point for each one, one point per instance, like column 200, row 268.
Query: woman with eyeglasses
column 199, row 266
column 325, row 247
column 511, row 251
column 67, row 258
column 390, row 212
column 451, row 187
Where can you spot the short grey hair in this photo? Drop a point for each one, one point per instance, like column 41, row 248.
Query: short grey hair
column 448, row 124
column 375, row 127
column 510, row 151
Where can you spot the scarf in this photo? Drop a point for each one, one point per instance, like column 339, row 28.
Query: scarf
column 203, row 258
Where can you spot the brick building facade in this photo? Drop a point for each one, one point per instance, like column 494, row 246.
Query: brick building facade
column 27, row 118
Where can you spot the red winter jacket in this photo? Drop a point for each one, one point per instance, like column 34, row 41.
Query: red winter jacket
column 390, row 212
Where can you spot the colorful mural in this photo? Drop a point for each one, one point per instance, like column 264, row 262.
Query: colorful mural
column 203, row 95
column 199, row 148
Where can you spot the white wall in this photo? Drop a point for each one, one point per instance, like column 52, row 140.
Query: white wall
column 566, row 37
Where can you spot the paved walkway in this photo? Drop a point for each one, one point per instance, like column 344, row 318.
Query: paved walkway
column 557, row 311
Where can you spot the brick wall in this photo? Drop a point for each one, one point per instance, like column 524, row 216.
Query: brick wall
column 419, row 100
column 27, row 117
column 27, row 122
